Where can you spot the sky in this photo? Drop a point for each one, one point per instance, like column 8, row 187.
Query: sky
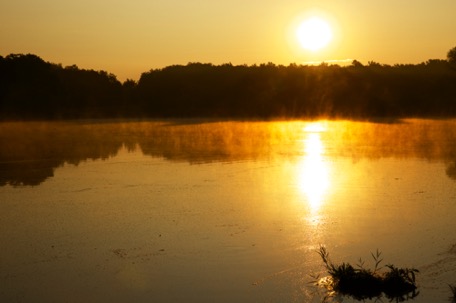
column 129, row 37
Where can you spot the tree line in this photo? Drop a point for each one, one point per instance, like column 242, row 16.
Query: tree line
column 31, row 88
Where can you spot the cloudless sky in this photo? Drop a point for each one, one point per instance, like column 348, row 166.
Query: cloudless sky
column 128, row 37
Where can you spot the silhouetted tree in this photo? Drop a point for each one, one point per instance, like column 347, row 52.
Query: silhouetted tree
column 31, row 88
column 356, row 63
column 451, row 56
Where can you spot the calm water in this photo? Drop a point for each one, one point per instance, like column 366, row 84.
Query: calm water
column 194, row 211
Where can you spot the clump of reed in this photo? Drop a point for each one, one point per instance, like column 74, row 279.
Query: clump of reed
column 453, row 290
column 364, row 283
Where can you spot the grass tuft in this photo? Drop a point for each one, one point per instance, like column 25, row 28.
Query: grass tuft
column 363, row 283
column 453, row 290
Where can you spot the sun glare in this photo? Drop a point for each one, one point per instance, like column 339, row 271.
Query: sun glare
column 314, row 171
column 315, row 127
column 314, row 34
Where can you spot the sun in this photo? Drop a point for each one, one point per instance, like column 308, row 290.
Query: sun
column 314, row 34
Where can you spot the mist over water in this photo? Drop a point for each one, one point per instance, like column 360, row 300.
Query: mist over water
column 31, row 151
column 206, row 210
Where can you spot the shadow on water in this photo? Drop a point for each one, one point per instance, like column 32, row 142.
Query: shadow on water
column 451, row 170
column 31, row 151
column 383, row 120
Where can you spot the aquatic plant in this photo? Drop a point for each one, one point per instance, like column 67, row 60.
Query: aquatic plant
column 453, row 290
column 364, row 283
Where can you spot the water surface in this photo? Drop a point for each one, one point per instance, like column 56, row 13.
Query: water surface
column 210, row 211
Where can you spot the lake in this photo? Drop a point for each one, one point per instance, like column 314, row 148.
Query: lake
column 221, row 211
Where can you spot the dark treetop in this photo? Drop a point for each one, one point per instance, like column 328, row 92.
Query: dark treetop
column 31, row 88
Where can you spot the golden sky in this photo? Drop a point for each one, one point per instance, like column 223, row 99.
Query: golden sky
column 128, row 37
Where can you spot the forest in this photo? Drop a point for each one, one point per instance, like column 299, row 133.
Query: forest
column 33, row 89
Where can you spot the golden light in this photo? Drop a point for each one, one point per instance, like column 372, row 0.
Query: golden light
column 315, row 127
column 314, row 171
column 314, row 33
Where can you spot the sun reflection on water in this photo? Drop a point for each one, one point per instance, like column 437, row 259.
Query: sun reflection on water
column 313, row 171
